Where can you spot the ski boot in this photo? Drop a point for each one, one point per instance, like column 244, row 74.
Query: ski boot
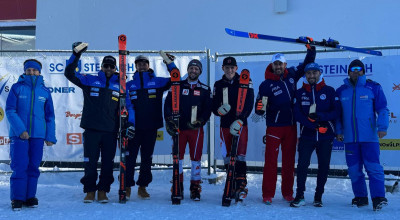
column 241, row 189
column 359, row 201
column 195, row 190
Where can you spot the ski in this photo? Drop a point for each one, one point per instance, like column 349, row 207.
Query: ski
column 302, row 40
column 123, row 117
column 176, row 196
column 229, row 192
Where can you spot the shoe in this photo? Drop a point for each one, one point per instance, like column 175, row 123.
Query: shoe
column 298, row 201
column 359, row 201
column 379, row 202
column 32, row 202
column 128, row 193
column 195, row 190
column 267, row 200
column 16, row 205
column 142, row 192
column 318, row 201
column 89, row 198
column 289, row 198
column 102, row 197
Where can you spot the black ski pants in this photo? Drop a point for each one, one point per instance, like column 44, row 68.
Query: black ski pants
column 96, row 143
column 305, row 148
column 144, row 140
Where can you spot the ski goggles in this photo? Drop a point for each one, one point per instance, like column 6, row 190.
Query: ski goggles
column 356, row 69
column 108, row 66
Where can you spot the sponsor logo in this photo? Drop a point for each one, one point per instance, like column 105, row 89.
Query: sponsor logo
column 275, row 88
column 322, row 97
column 152, row 91
column 74, row 138
column 61, row 89
column 395, row 87
column 160, row 135
column 115, row 99
column 94, row 94
column 337, row 145
column 68, row 114
column 389, row 144
column 291, row 80
column 4, row 85
column 364, row 97
column 4, row 140
column 196, row 92
column 133, row 97
column 95, row 89
column 278, row 93
column 41, row 99
column 151, row 83
column 60, row 67
column 392, row 119
column 1, row 114
column 115, row 93
column 185, row 92
column 305, row 103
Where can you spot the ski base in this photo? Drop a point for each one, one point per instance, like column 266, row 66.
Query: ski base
column 226, row 201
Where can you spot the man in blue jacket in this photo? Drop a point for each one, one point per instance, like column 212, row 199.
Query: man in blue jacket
column 30, row 111
column 364, row 119
column 144, row 102
column 100, row 119
column 279, row 88
column 315, row 109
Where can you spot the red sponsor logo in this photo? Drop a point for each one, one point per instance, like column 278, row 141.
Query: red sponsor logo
column 68, row 114
column 4, row 140
column 396, row 87
column 252, row 35
column 196, row 93
column 74, row 138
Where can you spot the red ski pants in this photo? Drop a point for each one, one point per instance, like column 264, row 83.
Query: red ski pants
column 226, row 144
column 195, row 138
column 286, row 137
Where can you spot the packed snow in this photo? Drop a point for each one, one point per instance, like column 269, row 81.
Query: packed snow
column 61, row 197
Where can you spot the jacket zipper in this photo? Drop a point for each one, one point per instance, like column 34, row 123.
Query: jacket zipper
column 354, row 115
column 31, row 112
column 290, row 100
column 313, row 96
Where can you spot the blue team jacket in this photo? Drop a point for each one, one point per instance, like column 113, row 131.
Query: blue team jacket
column 30, row 108
column 364, row 111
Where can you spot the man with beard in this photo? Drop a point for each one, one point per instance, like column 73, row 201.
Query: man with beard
column 195, row 111
column 279, row 88
column 100, row 121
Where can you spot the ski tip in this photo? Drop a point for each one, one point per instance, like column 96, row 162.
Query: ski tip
column 230, row 31
column 122, row 37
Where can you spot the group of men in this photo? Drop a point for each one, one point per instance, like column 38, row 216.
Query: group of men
column 349, row 114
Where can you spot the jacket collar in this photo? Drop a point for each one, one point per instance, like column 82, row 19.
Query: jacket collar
column 318, row 87
column 150, row 73
column 362, row 80
column 270, row 75
column 235, row 78
column 27, row 79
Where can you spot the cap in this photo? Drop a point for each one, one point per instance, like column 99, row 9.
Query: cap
column 142, row 58
column 109, row 60
column 312, row 66
column 197, row 63
column 229, row 61
column 278, row 57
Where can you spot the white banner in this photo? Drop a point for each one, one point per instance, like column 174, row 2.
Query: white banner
column 384, row 70
column 68, row 101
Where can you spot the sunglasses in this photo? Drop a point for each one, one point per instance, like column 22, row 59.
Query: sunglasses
column 356, row 69
column 108, row 66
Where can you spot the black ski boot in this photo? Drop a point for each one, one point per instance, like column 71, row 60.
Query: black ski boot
column 240, row 181
column 195, row 190
column 378, row 203
column 359, row 201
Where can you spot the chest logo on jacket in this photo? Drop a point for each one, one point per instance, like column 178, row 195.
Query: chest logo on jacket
column 185, row 92
column 322, row 96
column 291, row 80
column 196, row 92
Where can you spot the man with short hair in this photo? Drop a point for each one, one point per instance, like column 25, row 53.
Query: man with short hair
column 316, row 110
column 30, row 112
column 144, row 104
column 279, row 89
column 364, row 119
column 194, row 112
column 100, row 119
column 231, row 124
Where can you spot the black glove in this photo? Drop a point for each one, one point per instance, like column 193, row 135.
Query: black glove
column 129, row 131
column 313, row 117
column 171, row 127
column 78, row 48
column 195, row 125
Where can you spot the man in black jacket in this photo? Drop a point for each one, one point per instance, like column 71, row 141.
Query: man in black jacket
column 194, row 111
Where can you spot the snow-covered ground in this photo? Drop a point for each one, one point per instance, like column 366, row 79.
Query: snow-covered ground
column 60, row 197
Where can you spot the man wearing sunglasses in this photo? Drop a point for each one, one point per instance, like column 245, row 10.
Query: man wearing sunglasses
column 144, row 103
column 364, row 118
column 99, row 119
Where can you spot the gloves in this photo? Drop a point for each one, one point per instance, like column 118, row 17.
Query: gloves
column 171, row 127
column 224, row 109
column 79, row 47
column 167, row 58
column 307, row 41
column 321, row 129
column 313, row 117
column 236, row 126
column 259, row 108
column 195, row 125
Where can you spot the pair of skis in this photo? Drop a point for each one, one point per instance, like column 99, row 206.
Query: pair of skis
column 302, row 40
column 230, row 189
